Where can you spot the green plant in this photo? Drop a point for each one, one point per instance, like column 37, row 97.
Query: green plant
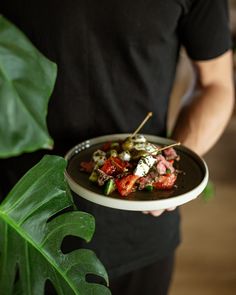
column 30, row 233
column 26, row 82
column 33, row 244
column 209, row 192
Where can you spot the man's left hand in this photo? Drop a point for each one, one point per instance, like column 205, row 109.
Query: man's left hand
column 157, row 213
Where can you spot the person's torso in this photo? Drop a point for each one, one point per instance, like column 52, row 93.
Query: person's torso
column 116, row 61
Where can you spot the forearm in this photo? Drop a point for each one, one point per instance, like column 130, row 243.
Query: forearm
column 203, row 120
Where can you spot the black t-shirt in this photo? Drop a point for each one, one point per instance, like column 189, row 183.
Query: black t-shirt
column 116, row 62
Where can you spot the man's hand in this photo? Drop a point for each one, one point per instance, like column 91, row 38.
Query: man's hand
column 158, row 212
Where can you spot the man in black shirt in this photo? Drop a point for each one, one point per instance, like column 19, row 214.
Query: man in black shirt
column 116, row 62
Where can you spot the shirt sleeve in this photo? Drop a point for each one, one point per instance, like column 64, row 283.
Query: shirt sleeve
column 204, row 29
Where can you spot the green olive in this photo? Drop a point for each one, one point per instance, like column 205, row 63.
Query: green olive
column 138, row 154
column 127, row 145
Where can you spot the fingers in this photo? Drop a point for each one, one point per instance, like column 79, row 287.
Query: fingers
column 171, row 209
column 154, row 213
column 157, row 213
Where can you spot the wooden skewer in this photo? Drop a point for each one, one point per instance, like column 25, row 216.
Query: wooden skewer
column 141, row 125
column 169, row 146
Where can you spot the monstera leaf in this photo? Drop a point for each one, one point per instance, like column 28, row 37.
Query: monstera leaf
column 31, row 238
column 26, row 82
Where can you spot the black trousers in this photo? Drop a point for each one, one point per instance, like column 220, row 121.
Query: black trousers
column 150, row 280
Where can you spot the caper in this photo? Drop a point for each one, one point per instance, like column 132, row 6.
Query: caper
column 113, row 153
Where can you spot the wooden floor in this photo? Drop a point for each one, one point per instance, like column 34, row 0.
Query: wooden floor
column 206, row 260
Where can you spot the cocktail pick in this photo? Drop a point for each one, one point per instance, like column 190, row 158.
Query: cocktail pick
column 169, row 146
column 142, row 124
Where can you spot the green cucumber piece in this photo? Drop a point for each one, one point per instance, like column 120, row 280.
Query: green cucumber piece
column 93, row 176
column 110, row 186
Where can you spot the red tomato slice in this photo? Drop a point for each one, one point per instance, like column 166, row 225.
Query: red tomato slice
column 113, row 165
column 87, row 166
column 165, row 181
column 108, row 167
column 120, row 165
column 125, row 185
column 106, row 146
